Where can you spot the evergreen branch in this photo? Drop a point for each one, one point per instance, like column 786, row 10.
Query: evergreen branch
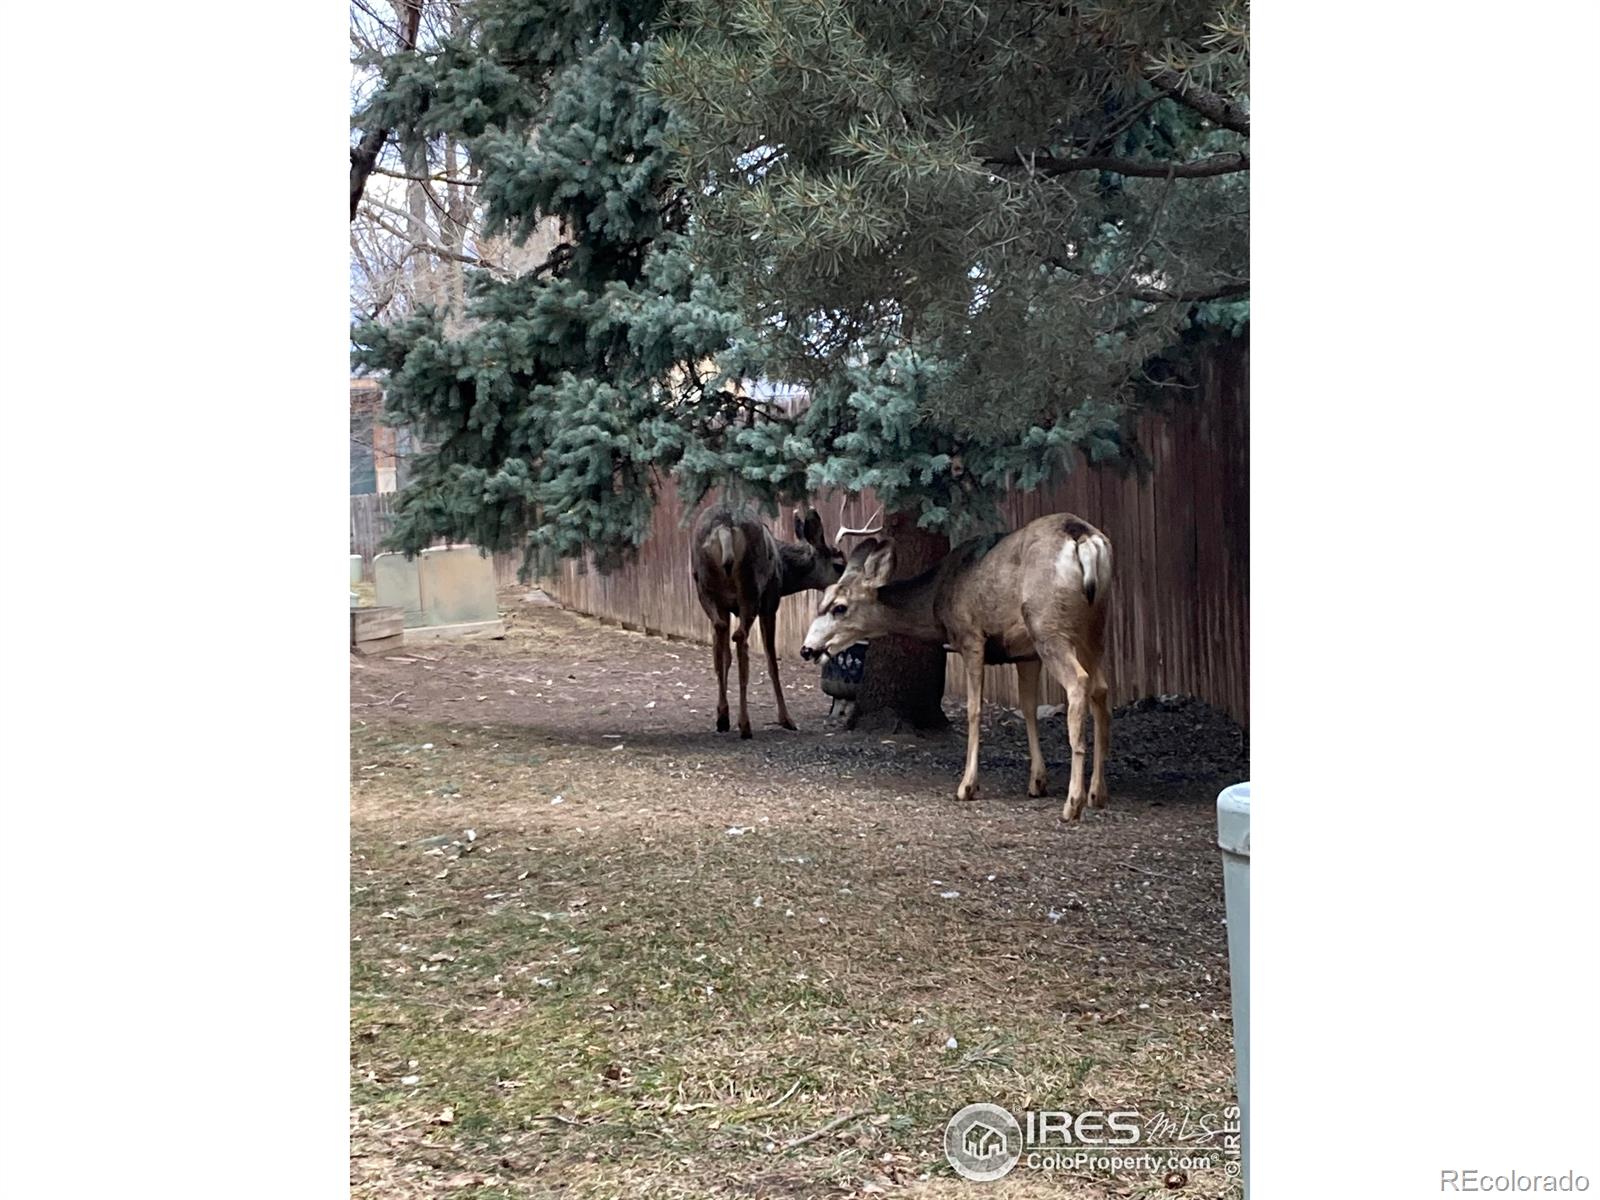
column 1125, row 121
column 1150, row 235
column 1042, row 162
column 1213, row 106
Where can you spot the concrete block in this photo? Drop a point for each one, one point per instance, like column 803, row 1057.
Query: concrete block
column 457, row 585
column 462, row 631
column 396, row 583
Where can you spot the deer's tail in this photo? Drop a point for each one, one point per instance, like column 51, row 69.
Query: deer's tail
column 720, row 547
column 1094, row 557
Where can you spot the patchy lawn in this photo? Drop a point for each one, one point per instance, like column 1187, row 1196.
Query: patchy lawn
column 603, row 951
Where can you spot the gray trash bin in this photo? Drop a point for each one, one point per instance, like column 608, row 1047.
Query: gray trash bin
column 1233, row 836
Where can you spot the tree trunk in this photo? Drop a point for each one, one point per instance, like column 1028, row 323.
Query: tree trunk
column 454, row 231
column 364, row 156
column 903, row 684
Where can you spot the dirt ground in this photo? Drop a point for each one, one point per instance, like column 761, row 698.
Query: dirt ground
column 601, row 950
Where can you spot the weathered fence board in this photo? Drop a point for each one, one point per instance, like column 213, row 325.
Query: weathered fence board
column 370, row 515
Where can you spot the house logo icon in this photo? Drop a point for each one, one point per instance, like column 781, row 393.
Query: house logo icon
column 982, row 1142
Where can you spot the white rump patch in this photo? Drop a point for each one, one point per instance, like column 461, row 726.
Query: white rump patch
column 1067, row 566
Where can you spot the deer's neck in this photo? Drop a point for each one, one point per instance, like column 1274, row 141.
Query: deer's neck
column 908, row 607
column 797, row 569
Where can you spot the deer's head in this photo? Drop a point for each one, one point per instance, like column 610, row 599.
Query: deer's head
column 850, row 611
column 814, row 564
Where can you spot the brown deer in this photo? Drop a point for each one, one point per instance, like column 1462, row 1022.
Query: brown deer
column 1038, row 594
column 741, row 570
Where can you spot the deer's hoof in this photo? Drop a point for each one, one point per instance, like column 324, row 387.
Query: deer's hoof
column 1072, row 809
column 1036, row 787
column 722, row 722
column 788, row 724
column 744, row 731
column 1098, row 798
column 967, row 791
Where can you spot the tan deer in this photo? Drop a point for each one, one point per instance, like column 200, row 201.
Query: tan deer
column 1039, row 594
column 741, row 570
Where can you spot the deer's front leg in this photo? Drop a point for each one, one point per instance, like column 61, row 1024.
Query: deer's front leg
column 1028, row 695
column 972, row 661
column 769, row 638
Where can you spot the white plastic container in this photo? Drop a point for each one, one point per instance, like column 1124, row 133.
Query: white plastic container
column 355, row 568
column 1233, row 836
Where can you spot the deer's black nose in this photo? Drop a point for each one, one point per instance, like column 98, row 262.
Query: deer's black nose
column 807, row 653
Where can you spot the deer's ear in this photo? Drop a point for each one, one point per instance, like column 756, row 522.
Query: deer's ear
column 811, row 530
column 860, row 551
column 878, row 565
column 799, row 525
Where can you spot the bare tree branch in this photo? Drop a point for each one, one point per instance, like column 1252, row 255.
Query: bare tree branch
column 1224, row 292
column 1156, row 295
column 428, row 178
column 377, row 18
column 472, row 260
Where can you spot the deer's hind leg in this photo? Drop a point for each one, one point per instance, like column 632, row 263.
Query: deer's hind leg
column 1058, row 655
column 741, row 641
column 721, row 655
column 1100, row 705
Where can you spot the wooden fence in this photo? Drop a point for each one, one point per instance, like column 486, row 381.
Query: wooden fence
column 1180, row 617
column 370, row 515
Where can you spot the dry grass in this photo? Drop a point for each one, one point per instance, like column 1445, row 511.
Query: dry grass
column 709, row 950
